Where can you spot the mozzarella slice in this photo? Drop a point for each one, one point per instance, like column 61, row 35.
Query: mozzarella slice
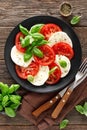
column 59, row 37
column 66, row 65
column 41, row 76
column 18, row 57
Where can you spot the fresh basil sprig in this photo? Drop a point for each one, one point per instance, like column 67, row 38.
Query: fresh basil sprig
column 37, row 40
column 9, row 100
column 75, row 20
column 63, row 124
column 82, row 109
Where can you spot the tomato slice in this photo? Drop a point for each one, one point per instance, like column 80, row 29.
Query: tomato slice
column 63, row 48
column 49, row 55
column 55, row 76
column 18, row 43
column 23, row 72
column 48, row 29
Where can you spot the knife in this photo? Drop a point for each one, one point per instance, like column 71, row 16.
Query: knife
column 47, row 105
column 65, row 96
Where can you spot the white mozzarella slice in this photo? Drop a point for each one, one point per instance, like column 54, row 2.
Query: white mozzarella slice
column 64, row 68
column 41, row 76
column 59, row 37
column 18, row 57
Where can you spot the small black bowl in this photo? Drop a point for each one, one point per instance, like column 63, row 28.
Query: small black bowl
column 75, row 62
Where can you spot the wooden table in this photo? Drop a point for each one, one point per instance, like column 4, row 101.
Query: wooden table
column 14, row 11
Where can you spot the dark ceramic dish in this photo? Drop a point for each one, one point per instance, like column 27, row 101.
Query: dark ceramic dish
column 75, row 62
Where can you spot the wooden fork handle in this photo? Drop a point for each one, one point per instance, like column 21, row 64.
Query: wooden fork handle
column 45, row 106
column 61, row 104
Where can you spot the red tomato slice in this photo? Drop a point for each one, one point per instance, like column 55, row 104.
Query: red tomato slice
column 49, row 55
column 55, row 76
column 23, row 72
column 63, row 49
column 18, row 43
column 48, row 29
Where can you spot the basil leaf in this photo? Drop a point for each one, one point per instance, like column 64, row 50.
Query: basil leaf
column 13, row 88
column 37, row 36
column 63, row 63
column 38, row 52
column 10, row 112
column 42, row 42
column 23, row 30
column 30, row 78
column 14, row 106
column 85, row 108
column 27, row 56
column 36, row 28
column 80, row 109
column 75, row 20
column 53, row 69
column 14, row 99
column 63, row 124
column 1, row 97
column 5, row 100
column 26, row 41
column 4, row 88
column 29, row 49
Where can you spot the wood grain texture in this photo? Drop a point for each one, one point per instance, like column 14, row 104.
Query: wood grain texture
column 13, row 12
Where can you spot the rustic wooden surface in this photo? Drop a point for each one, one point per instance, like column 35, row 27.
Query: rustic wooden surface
column 14, row 11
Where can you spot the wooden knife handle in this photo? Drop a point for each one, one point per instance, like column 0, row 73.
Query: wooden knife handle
column 45, row 106
column 61, row 104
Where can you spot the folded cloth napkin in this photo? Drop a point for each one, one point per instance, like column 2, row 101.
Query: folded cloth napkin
column 31, row 101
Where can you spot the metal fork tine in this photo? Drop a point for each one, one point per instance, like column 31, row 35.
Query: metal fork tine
column 83, row 66
column 85, row 60
column 83, row 69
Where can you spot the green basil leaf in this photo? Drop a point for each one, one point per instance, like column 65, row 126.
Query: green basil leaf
column 36, row 28
column 1, row 97
column 8, row 103
column 63, row 124
column 80, row 109
column 75, row 20
column 26, row 41
column 23, row 30
column 38, row 52
column 42, row 42
column 1, row 107
column 37, row 36
column 4, row 88
column 5, row 100
column 27, row 56
column 63, row 63
column 53, row 69
column 14, row 106
column 13, row 88
column 85, row 108
column 30, row 78
column 10, row 112
column 14, row 99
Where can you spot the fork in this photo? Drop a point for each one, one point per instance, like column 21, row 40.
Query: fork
column 82, row 73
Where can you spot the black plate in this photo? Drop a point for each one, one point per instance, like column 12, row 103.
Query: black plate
column 75, row 62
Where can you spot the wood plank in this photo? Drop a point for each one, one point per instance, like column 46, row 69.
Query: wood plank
column 71, row 127
column 13, row 12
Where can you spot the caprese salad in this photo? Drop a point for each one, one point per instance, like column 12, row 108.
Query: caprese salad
column 42, row 54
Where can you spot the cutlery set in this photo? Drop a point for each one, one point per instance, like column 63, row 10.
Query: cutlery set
column 64, row 94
